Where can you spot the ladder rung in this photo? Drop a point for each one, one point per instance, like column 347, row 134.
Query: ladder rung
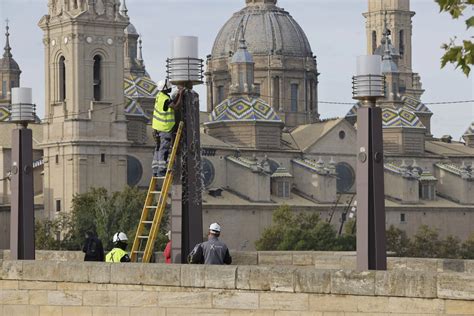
column 147, row 222
column 159, row 178
column 155, row 192
column 139, row 252
column 143, row 237
column 152, row 207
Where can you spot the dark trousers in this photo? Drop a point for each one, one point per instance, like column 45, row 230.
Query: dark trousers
column 163, row 141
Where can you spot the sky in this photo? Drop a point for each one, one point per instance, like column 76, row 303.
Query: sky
column 335, row 29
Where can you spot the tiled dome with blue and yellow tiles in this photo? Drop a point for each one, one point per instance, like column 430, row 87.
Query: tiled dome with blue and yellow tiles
column 409, row 103
column 244, row 109
column 393, row 118
column 136, row 88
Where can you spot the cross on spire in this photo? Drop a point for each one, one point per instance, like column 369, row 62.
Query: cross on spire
column 7, row 48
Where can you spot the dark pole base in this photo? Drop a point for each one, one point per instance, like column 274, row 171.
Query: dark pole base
column 371, row 239
column 22, row 217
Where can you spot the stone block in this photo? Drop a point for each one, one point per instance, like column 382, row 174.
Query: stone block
column 456, row 286
column 67, row 286
column 137, row 298
column 119, row 287
column 288, row 313
column 41, row 271
column 162, row 274
column 371, row 304
column 406, row 283
column 38, row 297
column 459, row 307
column 395, row 263
column 275, row 258
column 9, row 285
column 251, row 313
column 451, row 265
column 220, row 277
column 193, row 275
column 244, row 258
column 253, row 278
column 348, row 262
column 427, row 265
column 310, row 280
column 469, row 266
column 185, row 299
column 12, row 270
column 20, row 310
column 284, row 301
column 332, row 303
column 50, row 311
column 127, row 273
column 282, row 279
column 235, row 300
column 98, row 272
column 77, row 310
column 73, row 272
column 99, row 298
column 353, row 283
column 303, row 258
column 13, row 297
column 415, row 305
column 111, row 311
column 64, row 298
column 147, row 311
column 327, row 262
column 35, row 285
column 196, row 312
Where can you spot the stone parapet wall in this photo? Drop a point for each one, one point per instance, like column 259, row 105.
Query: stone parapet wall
column 90, row 288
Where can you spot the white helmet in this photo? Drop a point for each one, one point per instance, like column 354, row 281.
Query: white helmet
column 164, row 85
column 215, row 227
column 119, row 237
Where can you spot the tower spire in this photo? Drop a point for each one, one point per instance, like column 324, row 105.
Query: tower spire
column 242, row 42
column 140, row 54
column 8, row 49
column 123, row 9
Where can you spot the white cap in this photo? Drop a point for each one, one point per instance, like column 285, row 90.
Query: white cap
column 215, row 227
column 120, row 237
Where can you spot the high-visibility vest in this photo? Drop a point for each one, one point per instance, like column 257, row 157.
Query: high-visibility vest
column 115, row 255
column 163, row 121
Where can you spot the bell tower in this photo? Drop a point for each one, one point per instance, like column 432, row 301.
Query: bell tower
column 396, row 16
column 9, row 71
column 85, row 136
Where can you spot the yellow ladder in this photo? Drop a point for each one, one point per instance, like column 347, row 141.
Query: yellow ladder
column 152, row 213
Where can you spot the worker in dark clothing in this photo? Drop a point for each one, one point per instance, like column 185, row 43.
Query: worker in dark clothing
column 213, row 251
column 93, row 248
column 164, row 126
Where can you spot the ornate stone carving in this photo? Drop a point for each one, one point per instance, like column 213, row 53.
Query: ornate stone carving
column 100, row 7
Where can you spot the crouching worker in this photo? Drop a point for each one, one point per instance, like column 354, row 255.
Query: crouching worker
column 118, row 254
column 213, row 251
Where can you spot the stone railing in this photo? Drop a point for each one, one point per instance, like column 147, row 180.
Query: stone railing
column 90, row 288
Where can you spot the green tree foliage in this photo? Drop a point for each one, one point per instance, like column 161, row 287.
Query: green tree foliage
column 425, row 243
column 100, row 211
column 303, row 231
column 398, row 242
column 467, row 248
column 461, row 55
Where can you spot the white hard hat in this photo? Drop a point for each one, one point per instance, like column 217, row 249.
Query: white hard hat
column 120, row 237
column 164, row 85
column 215, row 227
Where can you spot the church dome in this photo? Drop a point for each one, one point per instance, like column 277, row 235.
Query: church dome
column 131, row 30
column 268, row 30
column 8, row 63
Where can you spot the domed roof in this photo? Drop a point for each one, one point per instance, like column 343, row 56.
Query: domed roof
column 470, row 130
column 268, row 30
column 8, row 63
column 131, row 30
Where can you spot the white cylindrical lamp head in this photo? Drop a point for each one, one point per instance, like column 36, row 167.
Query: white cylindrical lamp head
column 369, row 80
column 185, row 65
column 22, row 107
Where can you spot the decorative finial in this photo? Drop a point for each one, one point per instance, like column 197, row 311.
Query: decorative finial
column 123, row 9
column 140, row 54
column 7, row 49
column 243, row 44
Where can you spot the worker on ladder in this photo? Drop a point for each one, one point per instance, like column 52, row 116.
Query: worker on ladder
column 164, row 125
column 118, row 254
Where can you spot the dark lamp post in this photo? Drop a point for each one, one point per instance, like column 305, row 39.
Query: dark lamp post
column 368, row 86
column 185, row 69
column 22, row 217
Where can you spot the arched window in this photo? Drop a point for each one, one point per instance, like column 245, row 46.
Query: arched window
column 97, row 78
column 62, row 78
column 401, row 44
column 374, row 41
column 276, row 93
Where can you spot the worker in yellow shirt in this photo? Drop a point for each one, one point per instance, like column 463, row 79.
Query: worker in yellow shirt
column 118, row 254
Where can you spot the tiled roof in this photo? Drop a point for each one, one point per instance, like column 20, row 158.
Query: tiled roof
column 282, row 172
column 470, row 130
column 401, row 170
column 392, row 118
column 415, row 105
column 244, row 109
column 246, row 163
column 136, row 88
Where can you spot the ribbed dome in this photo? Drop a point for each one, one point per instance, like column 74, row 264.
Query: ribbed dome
column 131, row 30
column 268, row 29
column 8, row 63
